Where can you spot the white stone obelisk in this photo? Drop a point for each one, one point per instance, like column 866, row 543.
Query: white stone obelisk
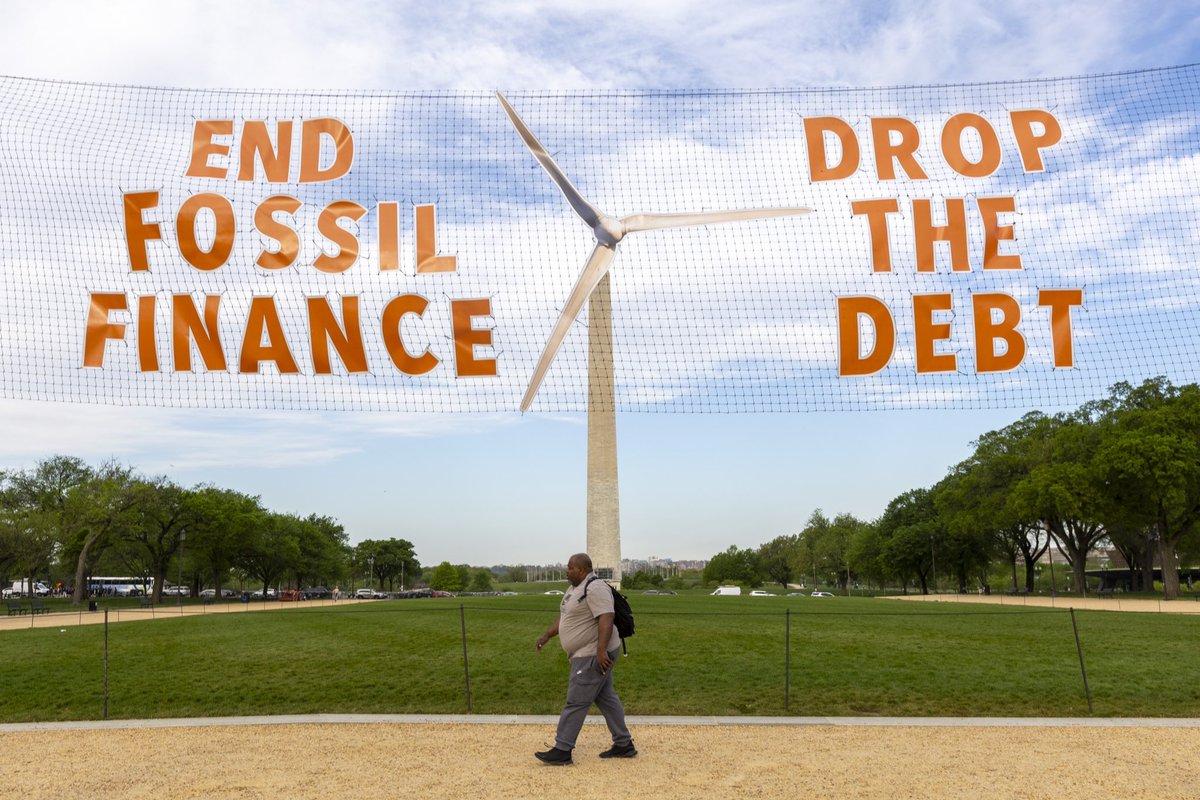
column 603, row 499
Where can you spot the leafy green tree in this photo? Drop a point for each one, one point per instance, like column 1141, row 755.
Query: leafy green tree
column 912, row 532
column 445, row 578
column 980, row 496
column 272, row 550
column 161, row 511
column 778, row 558
column 1063, row 488
column 482, row 581
column 735, row 565
column 1151, row 462
column 223, row 524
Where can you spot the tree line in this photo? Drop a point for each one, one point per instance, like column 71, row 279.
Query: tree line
column 68, row 518
column 1123, row 471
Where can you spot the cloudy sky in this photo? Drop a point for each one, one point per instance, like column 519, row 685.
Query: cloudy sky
column 691, row 485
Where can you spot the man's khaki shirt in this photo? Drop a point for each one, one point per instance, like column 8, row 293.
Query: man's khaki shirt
column 578, row 628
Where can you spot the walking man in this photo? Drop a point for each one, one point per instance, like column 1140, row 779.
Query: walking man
column 585, row 630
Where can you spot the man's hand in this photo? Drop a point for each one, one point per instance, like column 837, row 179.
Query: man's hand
column 541, row 642
column 604, row 661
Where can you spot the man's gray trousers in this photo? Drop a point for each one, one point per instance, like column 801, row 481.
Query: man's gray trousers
column 589, row 685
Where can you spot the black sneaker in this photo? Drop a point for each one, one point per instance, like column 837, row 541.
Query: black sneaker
column 620, row 751
column 554, row 756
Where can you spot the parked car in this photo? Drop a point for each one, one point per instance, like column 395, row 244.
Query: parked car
column 176, row 591
column 553, row 591
column 365, row 593
column 760, row 593
column 821, row 594
column 258, row 594
column 290, row 595
column 796, row 594
column 727, row 590
column 317, row 593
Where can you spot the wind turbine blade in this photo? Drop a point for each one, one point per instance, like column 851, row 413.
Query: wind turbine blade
column 595, row 269
column 652, row 222
column 586, row 211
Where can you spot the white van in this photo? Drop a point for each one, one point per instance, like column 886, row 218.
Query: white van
column 720, row 590
column 21, row 589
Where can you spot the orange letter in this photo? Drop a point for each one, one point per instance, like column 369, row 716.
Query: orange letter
column 1060, row 302
column 257, row 142
column 323, row 328
column 264, row 317
column 851, row 361
column 815, row 129
column 389, row 236
column 393, row 312
column 99, row 329
column 466, row 336
column 185, row 229
column 987, row 331
column 186, row 327
column 203, row 146
column 929, row 333
column 147, row 346
column 427, row 258
column 289, row 242
column 311, row 131
column 994, row 233
column 1031, row 145
column 988, row 161
column 903, row 151
column 346, row 242
column 137, row 230
column 876, row 212
column 925, row 233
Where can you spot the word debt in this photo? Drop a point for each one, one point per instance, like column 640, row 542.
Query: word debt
column 198, row 330
column 999, row 346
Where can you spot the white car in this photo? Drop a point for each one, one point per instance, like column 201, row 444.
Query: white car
column 821, row 594
column 365, row 593
column 760, row 593
column 552, row 591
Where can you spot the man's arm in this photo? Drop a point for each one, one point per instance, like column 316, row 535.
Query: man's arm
column 550, row 633
column 606, row 625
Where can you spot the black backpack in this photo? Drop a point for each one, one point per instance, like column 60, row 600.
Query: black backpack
column 622, row 613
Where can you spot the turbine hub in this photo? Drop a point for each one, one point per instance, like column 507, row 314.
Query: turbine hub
column 609, row 230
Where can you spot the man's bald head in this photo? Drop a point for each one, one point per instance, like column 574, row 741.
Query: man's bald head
column 581, row 560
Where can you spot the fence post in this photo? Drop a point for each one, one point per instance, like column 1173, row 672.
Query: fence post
column 462, row 615
column 787, row 663
column 106, row 663
column 1082, row 669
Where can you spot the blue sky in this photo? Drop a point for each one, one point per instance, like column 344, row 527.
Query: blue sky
column 691, row 485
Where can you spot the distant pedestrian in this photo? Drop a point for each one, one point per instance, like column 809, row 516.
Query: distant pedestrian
column 585, row 630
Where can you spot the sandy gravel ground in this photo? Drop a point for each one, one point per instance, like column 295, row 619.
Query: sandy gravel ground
column 380, row 761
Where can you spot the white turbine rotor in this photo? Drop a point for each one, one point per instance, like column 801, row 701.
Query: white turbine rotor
column 609, row 231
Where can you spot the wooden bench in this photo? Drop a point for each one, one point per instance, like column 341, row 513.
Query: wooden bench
column 15, row 609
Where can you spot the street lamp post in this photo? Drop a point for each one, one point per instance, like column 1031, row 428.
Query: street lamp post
column 371, row 572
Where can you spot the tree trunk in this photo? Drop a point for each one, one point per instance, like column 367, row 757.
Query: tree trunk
column 81, row 566
column 1170, row 570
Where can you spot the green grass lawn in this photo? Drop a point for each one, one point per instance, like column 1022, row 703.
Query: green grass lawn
column 693, row 655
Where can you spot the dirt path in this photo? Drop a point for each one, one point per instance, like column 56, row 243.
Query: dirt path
column 1113, row 603
column 165, row 611
column 457, row 761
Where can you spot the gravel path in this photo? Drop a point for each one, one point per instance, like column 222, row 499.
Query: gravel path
column 380, row 761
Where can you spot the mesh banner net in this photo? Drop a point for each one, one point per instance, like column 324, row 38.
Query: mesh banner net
column 972, row 246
